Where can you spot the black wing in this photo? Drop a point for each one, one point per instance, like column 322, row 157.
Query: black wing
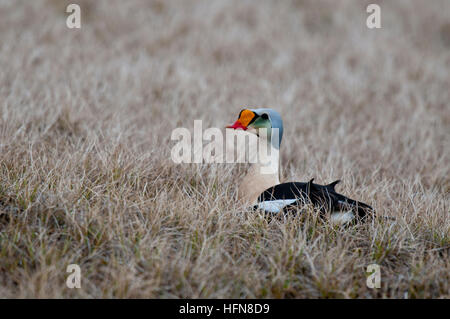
column 323, row 197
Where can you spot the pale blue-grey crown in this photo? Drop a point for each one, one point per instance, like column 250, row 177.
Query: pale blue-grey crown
column 275, row 121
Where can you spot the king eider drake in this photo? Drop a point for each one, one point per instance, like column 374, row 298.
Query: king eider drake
column 263, row 189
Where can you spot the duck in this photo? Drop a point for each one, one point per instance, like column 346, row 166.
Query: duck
column 261, row 189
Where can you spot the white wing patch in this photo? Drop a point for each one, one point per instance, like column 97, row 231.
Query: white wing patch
column 275, row 206
column 342, row 217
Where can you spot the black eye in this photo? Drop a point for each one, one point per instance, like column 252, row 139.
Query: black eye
column 265, row 116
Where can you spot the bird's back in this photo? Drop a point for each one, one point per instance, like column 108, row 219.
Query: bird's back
column 282, row 196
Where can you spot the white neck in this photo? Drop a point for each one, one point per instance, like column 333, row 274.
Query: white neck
column 260, row 176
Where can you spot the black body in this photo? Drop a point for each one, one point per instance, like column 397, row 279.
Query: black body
column 323, row 197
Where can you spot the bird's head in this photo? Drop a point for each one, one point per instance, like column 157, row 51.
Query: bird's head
column 257, row 119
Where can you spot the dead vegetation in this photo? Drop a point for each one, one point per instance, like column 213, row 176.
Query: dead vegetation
column 85, row 169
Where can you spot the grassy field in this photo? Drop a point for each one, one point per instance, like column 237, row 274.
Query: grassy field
column 85, row 170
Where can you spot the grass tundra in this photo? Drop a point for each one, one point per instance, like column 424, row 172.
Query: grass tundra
column 86, row 176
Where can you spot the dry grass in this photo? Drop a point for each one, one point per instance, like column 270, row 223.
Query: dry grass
column 85, row 169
